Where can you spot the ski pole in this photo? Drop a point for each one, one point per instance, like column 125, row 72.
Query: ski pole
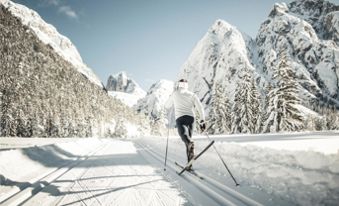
column 215, row 148
column 166, row 149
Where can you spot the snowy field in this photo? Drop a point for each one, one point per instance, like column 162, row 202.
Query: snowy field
column 301, row 168
column 277, row 169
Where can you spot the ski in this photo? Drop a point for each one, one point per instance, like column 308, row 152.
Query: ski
column 190, row 171
column 195, row 158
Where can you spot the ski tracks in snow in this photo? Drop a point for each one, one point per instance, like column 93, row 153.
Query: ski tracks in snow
column 115, row 174
column 200, row 192
column 126, row 173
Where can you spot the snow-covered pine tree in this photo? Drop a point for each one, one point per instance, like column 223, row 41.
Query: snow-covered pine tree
column 221, row 111
column 284, row 114
column 245, row 110
column 331, row 118
column 264, row 114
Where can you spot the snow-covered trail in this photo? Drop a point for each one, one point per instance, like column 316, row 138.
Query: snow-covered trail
column 114, row 174
column 199, row 192
column 130, row 172
column 273, row 169
column 216, row 187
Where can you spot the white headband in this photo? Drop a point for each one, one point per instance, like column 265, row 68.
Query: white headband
column 183, row 85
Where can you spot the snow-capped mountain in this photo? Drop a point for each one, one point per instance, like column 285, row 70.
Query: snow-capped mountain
column 322, row 15
column 301, row 37
column 287, row 35
column 122, row 83
column 219, row 57
column 124, row 88
column 48, row 34
column 153, row 103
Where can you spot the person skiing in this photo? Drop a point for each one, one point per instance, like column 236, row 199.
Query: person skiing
column 184, row 102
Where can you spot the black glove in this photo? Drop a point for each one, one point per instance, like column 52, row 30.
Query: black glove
column 202, row 125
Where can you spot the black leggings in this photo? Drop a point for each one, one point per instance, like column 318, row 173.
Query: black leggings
column 185, row 129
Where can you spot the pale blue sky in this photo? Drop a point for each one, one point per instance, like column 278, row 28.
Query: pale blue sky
column 149, row 39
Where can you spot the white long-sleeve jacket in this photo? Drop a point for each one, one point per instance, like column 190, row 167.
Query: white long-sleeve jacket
column 184, row 102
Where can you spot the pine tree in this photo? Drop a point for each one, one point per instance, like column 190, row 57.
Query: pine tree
column 284, row 114
column 331, row 118
column 221, row 117
column 264, row 107
column 245, row 111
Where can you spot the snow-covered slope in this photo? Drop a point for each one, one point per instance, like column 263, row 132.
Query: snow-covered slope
column 303, row 35
column 43, row 93
column 153, row 103
column 219, row 57
column 322, row 15
column 48, row 34
column 313, row 61
column 126, row 98
column 124, row 88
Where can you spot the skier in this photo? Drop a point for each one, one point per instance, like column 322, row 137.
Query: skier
column 184, row 102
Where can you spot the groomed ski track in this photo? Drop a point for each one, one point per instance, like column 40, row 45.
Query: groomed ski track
column 122, row 173
column 211, row 191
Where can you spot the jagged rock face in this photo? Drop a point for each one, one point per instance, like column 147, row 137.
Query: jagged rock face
column 314, row 61
column 122, row 83
column 315, row 12
column 42, row 94
column 331, row 27
column 152, row 105
column 220, row 56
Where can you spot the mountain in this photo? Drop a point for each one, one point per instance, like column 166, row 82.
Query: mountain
column 321, row 15
column 48, row 34
column 152, row 105
column 46, row 90
column 124, row 88
column 314, row 61
column 297, row 46
column 221, row 56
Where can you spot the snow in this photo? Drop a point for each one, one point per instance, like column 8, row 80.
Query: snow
column 122, row 83
column 301, row 168
column 126, row 98
column 48, row 34
column 293, row 31
column 219, row 55
column 272, row 169
column 114, row 174
column 124, row 88
column 132, row 130
column 153, row 103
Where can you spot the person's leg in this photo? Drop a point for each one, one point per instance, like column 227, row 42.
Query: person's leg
column 190, row 146
column 184, row 133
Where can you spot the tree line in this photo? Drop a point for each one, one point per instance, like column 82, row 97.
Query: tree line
column 278, row 107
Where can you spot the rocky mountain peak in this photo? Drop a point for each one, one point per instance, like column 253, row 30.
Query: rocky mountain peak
column 122, row 83
column 278, row 9
column 315, row 12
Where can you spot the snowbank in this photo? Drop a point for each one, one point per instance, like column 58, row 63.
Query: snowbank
column 302, row 168
column 25, row 165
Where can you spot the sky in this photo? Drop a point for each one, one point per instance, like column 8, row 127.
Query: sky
column 149, row 39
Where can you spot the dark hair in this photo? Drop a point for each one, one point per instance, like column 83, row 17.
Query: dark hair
column 182, row 80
